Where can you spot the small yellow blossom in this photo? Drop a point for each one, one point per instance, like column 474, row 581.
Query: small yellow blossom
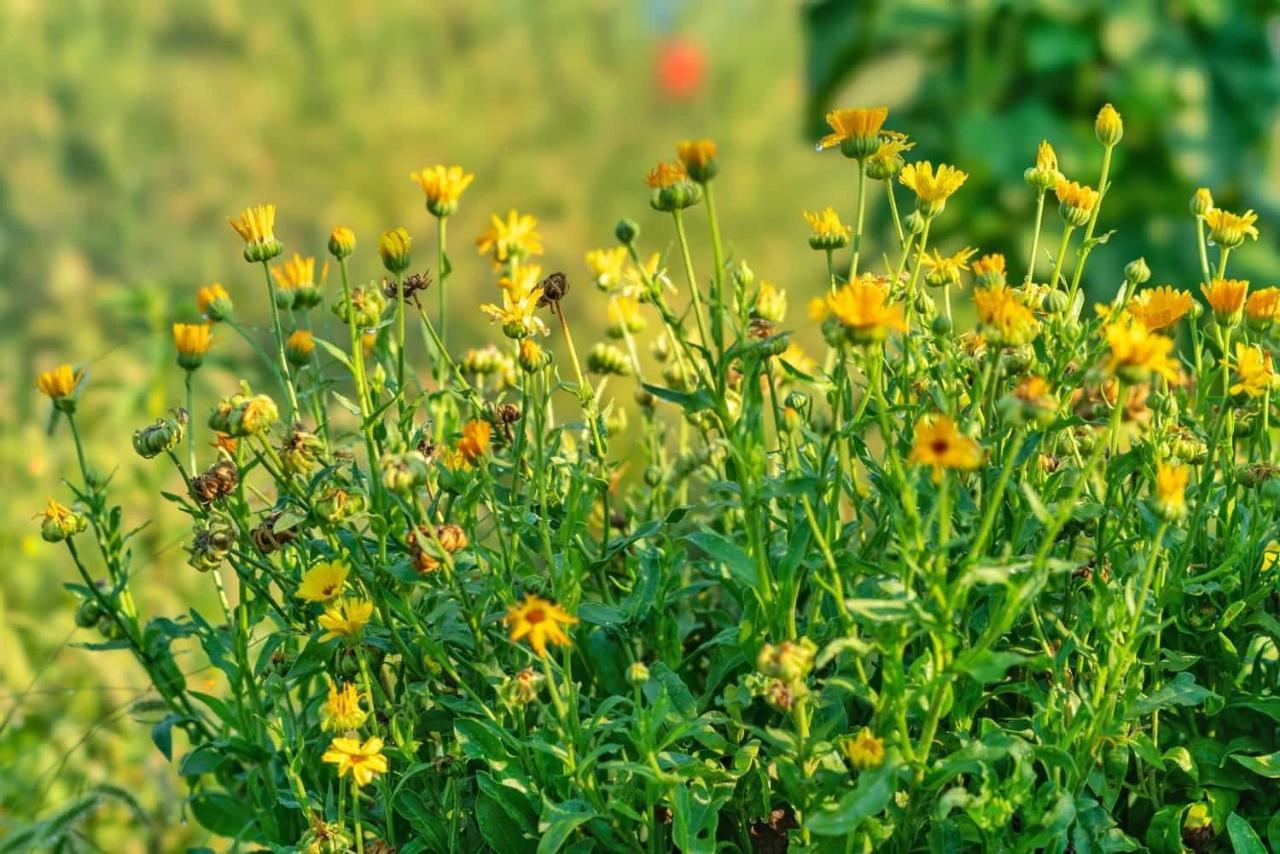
column 443, row 186
column 856, row 130
column 1160, row 308
column 1229, row 230
column 666, row 175
column 58, row 383
column 520, row 295
column 341, row 711
column 539, row 622
column 989, row 270
column 1006, row 321
column 1263, row 306
column 1226, row 298
column 363, row 762
column 214, row 302
column 864, row 751
column 323, row 581
column 932, row 188
column 192, row 341
column 1137, row 352
column 939, row 444
column 862, row 307
column 1108, row 127
column 475, row 440
column 828, row 232
column 1254, row 374
column 624, row 316
column 342, row 242
column 699, row 159
column 515, row 237
column 345, row 619
column 1076, row 202
column 607, row 267
column 1171, row 489
column 299, row 346
column 256, row 226
column 944, row 271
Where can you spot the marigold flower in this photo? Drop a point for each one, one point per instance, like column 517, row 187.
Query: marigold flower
column 323, row 581
column 864, row 751
column 828, row 232
column 1160, row 308
column 539, row 622
column 363, row 762
column 59, row 383
column 1226, row 297
column 862, row 308
column 475, row 440
column 939, row 444
column 699, row 159
column 672, row 187
column 214, row 302
column 1254, row 374
column 341, row 712
column 1229, row 230
column 945, row 271
column 443, row 186
column 256, row 227
column 192, row 341
column 345, row 619
column 515, row 237
column 1170, row 490
column 1263, row 307
column 1076, row 201
column 989, row 270
column 1006, row 321
column 932, row 188
column 856, row 131
column 607, row 267
column 1108, row 127
column 1137, row 352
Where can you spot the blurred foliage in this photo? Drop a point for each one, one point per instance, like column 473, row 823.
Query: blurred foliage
column 980, row 82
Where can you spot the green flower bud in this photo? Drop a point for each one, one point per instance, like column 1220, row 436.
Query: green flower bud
column 164, row 434
column 59, row 522
column 607, row 359
column 1136, row 272
column 627, row 231
column 401, row 473
column 396, row 249
column 211, row 542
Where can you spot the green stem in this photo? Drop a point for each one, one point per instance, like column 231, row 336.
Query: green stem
column 1035, row 239
column 278, row 330
column 860, row 218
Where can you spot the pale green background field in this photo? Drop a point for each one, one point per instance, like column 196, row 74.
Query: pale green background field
column 132, row 129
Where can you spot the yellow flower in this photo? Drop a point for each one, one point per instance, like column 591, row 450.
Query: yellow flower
column 1229, row 230
column 770, row 304
column 1171, row 489
column 1254, row 374
column 887, row 159
column 939, row 444
column 1263, row 306
column 945, row 271
column 608, row 266
column 829, row 233
column 363, row 762
column 59, row 383
column 515, row 237
column 1044, row 175
column 341, row 711
column 1159, row 308
column 475, row 440
column 1108, row 127
column 699, row 159
column 862, row 308
column 323, row 581
column 932, row 188
column 624, row 316
column 1201, row 201
column 296, row 282
column 1075, row 201
column 299, row 346
column 1137, row 352
column 1226, row 298
column 214, row 302
column 256, row 227
column 1005, row 319
column 443, row 186
column 519, row 304
column 989, row 270
column 666, row 175
column 345, row 619
column 856, row 131
column 1270, row 555
column 864, row 751
column 342, row 242
column 192, row 341
column 1046, row 158
column 395, row 247
column 540, row 622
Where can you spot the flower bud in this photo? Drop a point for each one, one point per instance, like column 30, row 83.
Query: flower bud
column 395, row 246
column 342, row 242
column 164, row 434
column 401, row 473
column 1136, row 272
column 59, row 522
column 1201, row 201
column 914, row 222
column 1108, row 127
column 335, row 504
column 638, row 673
column 363, row 309
column 88, row 613
column 699, row 159
column 215, row 303
column 607, row 359
column 627, row 231
column 255, row 415
column 533, row 357
column 299, row 347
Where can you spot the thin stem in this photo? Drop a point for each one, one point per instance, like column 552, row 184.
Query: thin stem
column 278, row 330
column 1035, row 239
column 860, row 218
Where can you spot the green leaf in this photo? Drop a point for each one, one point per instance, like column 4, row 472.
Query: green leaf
column 989, row 665
column 1266, row 766
column 691, row 402
column 559, row 821
column 205, row 759
column 223, row 814
column 496, row 826
column 336, row 352
column 346, row 404
column 694, row 817
column 869, row 797
column 1243, row 838
column 1182, row 691
column 740, row 565
column 162, row 734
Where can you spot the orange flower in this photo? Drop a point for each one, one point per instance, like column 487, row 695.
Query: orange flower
column 1158, row 308
column 859, row 126
column 939, row 444
column 475, row 440
column 1226, row 298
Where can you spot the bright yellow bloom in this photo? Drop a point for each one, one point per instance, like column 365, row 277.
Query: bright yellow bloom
column 323, row 581
column 475, row 440
column 1075, row 201
column 624, row 316
column 1046, row 157
column 608, row 266
column 770, row 304
column 256, row 224
column 443, row 186
column 345, row 619
column 862, row 307
column 887, row 159
column 1171, row 489
column 1005, row 319
column 864, row 751
column 540, row 622
column 942, row 271
column 59, row 383
column 1137, row 352
column 1108, row 127
column 519, row 303
column 939, row 444
column 298, row 272
column 363, row 762
column 516, row 237
column 1229, row 230
column 299, row 346
column 1159, row 308
column 342, row 242
column 861, row 123
column 1226, row 297
column 1254, row 374
column 1263, row 306
column 932, row 187
column 211, row 299
column 192, row 341
column 666, row 175
column 341, row 711
column 699, row 158
column 828, row 231
column 990, row 269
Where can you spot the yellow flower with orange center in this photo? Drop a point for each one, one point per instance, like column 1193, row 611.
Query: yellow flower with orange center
column 939, row 444
column 1254, row 374
column 539, row 622
column 323, row 581
column 1160, row 308
column 1137, row 352
column 855, row 130
column 1005, row 319
column 515, row 237
column 1229, row 230
column 862, row 307
column 1226, row 297
column 932, row 188
column 443, row 186
column 58, row 383
column 364, row 762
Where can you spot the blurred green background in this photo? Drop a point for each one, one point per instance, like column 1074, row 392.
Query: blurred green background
column 131, row 130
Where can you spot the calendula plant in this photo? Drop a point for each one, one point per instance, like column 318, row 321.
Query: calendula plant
column 1011, row 588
